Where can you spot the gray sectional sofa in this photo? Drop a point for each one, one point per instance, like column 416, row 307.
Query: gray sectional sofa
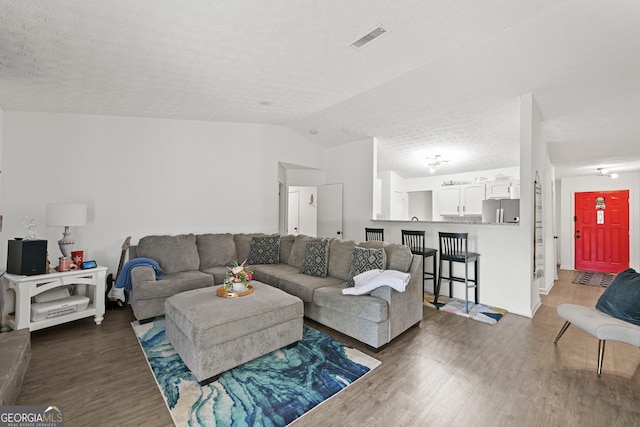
column 195, row 261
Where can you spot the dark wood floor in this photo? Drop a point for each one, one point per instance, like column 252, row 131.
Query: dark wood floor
column 449, row 371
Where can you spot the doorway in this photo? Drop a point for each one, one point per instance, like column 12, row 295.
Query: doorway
column 315, row 210
column 302, row 211
column 601, row 232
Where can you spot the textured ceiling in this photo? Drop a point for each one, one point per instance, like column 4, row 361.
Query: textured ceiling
column 445, row 80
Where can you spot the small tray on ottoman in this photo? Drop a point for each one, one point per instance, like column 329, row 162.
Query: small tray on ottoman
column 213, row 335
column 222, row 292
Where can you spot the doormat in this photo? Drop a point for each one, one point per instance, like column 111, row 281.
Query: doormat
column 594, row 278
column 272, row 390
column 480, row 312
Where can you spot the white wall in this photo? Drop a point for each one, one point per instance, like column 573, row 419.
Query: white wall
column 352, row 164
column 531, row 169
column 385, row 179
column 550, row 215
column 143, row 176
column 420, row 205
column 377, row 199
column 305, row 176
column 572, row 185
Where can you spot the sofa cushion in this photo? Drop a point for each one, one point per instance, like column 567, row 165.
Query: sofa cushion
column 173, row 253
column 367, row 307
column 216, row 250
column 364, row 260
column 303, row 286
column 264, row 250
column 172, row 284
column 219, row 273
column 399, row 257
column 299, row 248
column 621, row 299
column 315, row 259
column 286, row 243
column 340, row 258
column 272, row 273
column 243, row 244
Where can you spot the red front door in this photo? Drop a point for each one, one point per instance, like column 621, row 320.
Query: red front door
column 602, row 231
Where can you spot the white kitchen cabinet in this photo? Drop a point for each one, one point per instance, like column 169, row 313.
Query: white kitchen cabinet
column 507, row 189
column 471, row 197
column 462, row 200
column 450, row 201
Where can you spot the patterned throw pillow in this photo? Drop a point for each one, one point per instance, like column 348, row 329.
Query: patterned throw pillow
column 365, row 260
column 264, row 250
column 315, row 258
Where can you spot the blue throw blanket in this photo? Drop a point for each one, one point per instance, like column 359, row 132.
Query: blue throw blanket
column 124, row 278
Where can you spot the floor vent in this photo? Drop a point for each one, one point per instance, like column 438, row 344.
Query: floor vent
column 369, row 37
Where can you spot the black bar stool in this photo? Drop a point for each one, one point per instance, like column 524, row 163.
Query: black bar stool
column 414, row 239
column 453, row 248
column 374, row 234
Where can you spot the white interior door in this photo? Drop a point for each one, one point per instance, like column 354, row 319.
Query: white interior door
column 330, row 210
column 293, row 213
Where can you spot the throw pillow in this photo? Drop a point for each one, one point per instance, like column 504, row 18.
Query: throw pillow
column 399, row 257
column 216, row 250
column 243, row 244
column 315, row 258
column 286, row 245
column 340, row 260
column 264, row 250
column 174, row 253
column 365, row 260
column 299, row 248
column 621, row 299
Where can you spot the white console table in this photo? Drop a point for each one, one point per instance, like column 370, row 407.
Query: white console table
column 17, row 292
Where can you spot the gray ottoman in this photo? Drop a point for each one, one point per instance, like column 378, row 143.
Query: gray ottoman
column 213, row 334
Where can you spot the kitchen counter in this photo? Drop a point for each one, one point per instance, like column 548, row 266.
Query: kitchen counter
column 465, row 221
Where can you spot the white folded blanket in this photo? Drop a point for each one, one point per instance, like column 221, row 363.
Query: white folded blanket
column 372, row 279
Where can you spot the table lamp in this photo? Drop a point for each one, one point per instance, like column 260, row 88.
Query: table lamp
column 66, row 215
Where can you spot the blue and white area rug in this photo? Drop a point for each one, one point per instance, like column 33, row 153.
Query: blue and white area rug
column 480, row 312
column 273, row 390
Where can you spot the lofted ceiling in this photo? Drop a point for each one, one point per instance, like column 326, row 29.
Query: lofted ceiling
column 445, row 80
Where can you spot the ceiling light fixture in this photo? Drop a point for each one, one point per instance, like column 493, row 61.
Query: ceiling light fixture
column 605, row 172
column 435, row 161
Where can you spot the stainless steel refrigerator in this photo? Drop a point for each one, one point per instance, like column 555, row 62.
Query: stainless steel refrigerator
column 500, row 211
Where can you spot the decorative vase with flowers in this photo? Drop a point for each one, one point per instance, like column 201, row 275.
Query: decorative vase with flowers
column 238, row 277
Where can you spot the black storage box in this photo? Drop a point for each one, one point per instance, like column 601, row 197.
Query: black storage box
column 27, row 257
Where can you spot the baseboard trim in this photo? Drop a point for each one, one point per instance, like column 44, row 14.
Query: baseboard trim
column 545, row 291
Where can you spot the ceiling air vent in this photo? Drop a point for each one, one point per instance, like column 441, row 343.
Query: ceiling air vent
column 369, row 37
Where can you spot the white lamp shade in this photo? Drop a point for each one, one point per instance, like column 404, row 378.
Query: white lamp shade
column 66, row 214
